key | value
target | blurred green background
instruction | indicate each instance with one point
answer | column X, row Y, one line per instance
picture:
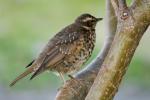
column 27, row 25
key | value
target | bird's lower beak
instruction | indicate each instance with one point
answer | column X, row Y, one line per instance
column 98, row 19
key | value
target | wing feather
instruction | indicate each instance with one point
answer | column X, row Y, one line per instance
column 54, row 54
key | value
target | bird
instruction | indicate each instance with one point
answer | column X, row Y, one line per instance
column 67, row 51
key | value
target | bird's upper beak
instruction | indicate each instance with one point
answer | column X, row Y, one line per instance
column 98, row 19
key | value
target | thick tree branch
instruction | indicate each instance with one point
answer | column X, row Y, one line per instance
column 77, row 90
column 128, row 35
column 140, row 2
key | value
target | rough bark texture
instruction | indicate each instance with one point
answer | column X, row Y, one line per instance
column 131, row 24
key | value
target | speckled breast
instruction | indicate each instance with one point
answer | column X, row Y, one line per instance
column 73, row 62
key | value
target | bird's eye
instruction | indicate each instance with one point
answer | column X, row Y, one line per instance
column 92, row 20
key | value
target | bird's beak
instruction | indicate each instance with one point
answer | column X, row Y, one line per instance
column 98, row 19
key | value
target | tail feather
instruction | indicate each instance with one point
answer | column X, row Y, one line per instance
column 28, row 71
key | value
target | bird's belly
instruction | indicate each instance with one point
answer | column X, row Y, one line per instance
column 73, row 62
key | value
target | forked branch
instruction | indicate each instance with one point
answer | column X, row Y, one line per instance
column 131, row 23
column 128, row 35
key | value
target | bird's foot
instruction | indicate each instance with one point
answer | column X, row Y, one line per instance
column 75, row 79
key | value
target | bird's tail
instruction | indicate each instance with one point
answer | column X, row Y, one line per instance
column 28, row 71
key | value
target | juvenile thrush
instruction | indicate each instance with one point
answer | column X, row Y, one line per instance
column 67, row 51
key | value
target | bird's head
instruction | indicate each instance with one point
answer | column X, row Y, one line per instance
column 87, row 20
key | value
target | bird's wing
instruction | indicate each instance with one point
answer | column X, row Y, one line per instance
column 56, row 51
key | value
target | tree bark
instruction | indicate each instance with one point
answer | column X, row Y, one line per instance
column 132, row 23
column 128, row 24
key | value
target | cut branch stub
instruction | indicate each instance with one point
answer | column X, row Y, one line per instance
column 121, row 9
column 124, row 14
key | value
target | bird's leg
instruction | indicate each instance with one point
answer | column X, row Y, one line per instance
column 70, row 76
column 62, row 77
column 78, row 80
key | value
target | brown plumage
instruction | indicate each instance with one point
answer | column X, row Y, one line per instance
column 67, row 51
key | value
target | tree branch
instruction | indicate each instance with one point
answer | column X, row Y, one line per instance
column 122, row 4
column 115, row 5
column 77, row 90
column 128, row 35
